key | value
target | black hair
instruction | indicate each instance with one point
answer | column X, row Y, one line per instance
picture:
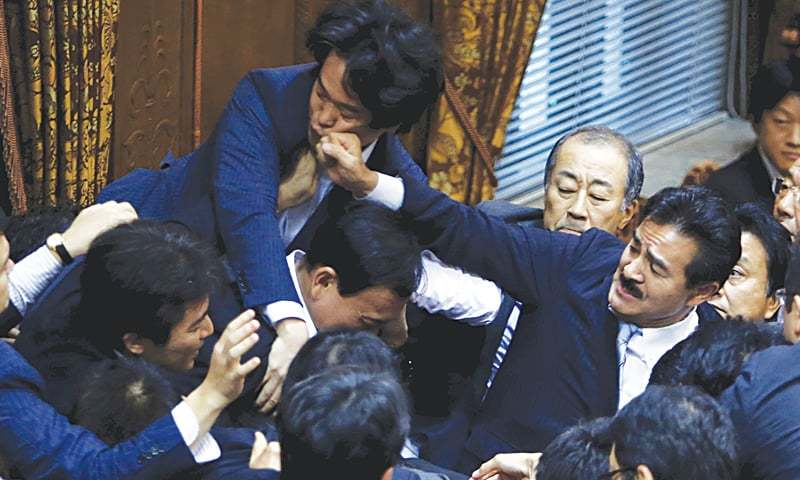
column 771, row 83
column 120, row 397
column 594, row 135
column 677, row 432
column 368, row 246
column 140, row 278
column 712, row 357
column 704, row 216
column 341, row 347
column 29, row 231
column 345, row 422
column 776, row 240
column 792, row 281
column 579, row 453
column 394, row 63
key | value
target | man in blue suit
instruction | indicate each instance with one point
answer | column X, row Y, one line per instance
column 604, row 313
column 256, row 188
column 36, row 442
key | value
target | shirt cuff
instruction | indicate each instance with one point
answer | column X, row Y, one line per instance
column 388, row 192
column 31, row 276
column 204, row 449
column 284, row 309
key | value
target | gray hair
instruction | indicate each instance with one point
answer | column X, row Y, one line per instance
column 595, row 134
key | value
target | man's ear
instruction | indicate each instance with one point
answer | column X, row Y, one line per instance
column 773, row 305
column 322, row 279
column 630, row 212
column 703, row 293
column 133, row 343
column 644, row 473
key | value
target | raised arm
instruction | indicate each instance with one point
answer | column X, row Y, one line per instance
column 524, row 262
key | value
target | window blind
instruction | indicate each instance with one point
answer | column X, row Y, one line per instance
column 645, row 68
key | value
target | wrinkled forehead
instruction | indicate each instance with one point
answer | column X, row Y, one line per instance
column 595, row 161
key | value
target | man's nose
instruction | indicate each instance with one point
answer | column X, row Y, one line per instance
column 633, row 271
column 578, row 209
column 395, row 333
column 326, row 116
column 207, row 327
column 794, row 136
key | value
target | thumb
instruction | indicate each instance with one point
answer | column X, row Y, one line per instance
column 333, row 151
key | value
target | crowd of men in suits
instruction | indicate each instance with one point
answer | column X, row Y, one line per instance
column 291, row 300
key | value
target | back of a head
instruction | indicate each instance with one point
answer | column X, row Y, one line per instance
column 121, row 397
column 712, row 357
column 771, row 83
column 338, row 348
column 676, row 432
column 29, row 231
column 702, row 215
column 368, row 246
column 598, row 134
column 342, row 423
column 394, row 63
column 139, row 278
column 776, row 240
column 579, row 453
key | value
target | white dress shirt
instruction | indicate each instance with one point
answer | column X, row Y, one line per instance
column 475, row 302
column 639, row 349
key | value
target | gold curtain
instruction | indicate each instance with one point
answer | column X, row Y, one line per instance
column 63, row 58
column 486, row 47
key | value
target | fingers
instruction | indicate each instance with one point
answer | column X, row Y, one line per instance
column 274, row 399
column 271, row 384
column 245, row 344
column 247, row 367
column 239, row 328
column 486, row 470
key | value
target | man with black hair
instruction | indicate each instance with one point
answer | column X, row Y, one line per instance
column 775, row 110
column 761, row 398
column 120, row 397
column 602, row 314
column 673, row 432
column 344, row 422
column 712, row 357
column 144, row 291
column 752, row 289
column 258, row 186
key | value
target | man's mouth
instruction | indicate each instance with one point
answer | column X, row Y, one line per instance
column 627, row 287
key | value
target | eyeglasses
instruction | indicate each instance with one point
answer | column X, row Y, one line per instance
column 780, row 185
column 613, row 473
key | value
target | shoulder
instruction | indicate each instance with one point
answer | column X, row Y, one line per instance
column 736, row 170
column 15, row 372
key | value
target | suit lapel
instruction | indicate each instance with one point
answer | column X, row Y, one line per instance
column 762, row 183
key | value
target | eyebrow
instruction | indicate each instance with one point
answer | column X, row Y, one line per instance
column 345, row 106
column 652, row 258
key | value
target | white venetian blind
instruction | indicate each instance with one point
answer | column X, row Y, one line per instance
column 645, row 68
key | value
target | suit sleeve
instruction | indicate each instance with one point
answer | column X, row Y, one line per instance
column 41, row 443
column 526, row 263
column 246, row 191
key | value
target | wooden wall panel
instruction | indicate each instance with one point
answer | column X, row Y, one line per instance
column 153, row 85
column 239, row 35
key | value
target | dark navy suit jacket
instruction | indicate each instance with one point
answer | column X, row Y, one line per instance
column 763, row 406
column 227, row 189
column 744, row 180
column 562, row 364
column 39, row 443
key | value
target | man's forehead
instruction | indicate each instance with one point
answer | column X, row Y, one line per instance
column 600, row 161
column 666, row 241
column 379, row 302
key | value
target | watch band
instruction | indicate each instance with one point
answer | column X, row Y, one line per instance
column 63, row 254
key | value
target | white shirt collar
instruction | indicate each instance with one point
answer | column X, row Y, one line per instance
column 366, row 152
column 292, row 259
column 655, row 342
